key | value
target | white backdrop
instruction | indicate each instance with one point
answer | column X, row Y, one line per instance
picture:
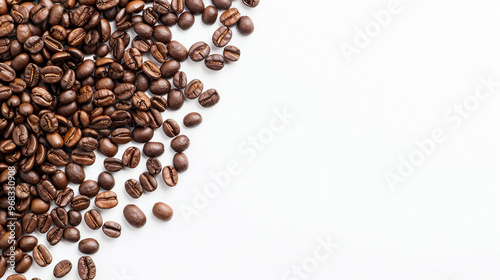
column 328, row 100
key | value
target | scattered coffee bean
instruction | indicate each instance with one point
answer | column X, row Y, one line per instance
column 134, row 216
column 192, row 119
column 62, row 268
column 88, row 246
column 112, row 229
column 162, row 211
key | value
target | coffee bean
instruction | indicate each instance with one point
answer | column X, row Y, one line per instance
column 133, row 188
column 245, row 25
column 133, row 59
column 153, row 166
column 177, row 51
column 180, row 143
column 112, row 229
column 215, row 62
column 170, row 176
column 75, row 173
column 134, row 216
column 162, row 211
column 89, row 188
column 181, row 162
column 199, row 51
column 74, row 218
column 64, row 197
column 54, row 235
column 134, row 6
column 162, row 34
column 106, row 200
column 142, row 134
column 171, row 128
column 86, row 268
column 209, row 15
column 195, row 6
column 42, row 255
column 27, row 243
column 175, row 99
column 151, row 70
column 232, row 53
column 44, row 222
column 186, row 20
column 251, row 3
column 113, row 164
column 230, row 17
column 80, row 202
column 160, row 86
column 177, row 6
column 193, row 89
column 153, row 149
column 88, row 246
column 159, row 52
column 131, row 157
column 222, row 4
column 222, row 36
column 169, row 68
column 16, row 277
column 108, row 148
column 59, row 217
column 24, row 264
column 93, row 219
column 71, row 234
column 148, row 182
column 192, row 119
column 143, row 30
column 62, row 268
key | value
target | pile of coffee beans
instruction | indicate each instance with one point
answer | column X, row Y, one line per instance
column 59, row 107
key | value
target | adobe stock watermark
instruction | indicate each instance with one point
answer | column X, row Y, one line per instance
column 363, row 36
column 248, row 151
column 453, row 119
column 323, row 251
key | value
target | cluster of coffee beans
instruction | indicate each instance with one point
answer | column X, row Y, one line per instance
column 58, row 108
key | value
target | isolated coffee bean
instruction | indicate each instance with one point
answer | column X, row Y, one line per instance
column 192, row 119
column 230, row 17
column 112, row 229
column 74, row 218
column 134, row 216
column 80, row 202
column 181, row 162
column 153, row 165
column 113, row 164
column 153, row 149
column 62, row 268
column 186, row 21
column 222, row 4
column 245, row 25
column 175, row 99
column 59, row 217
column 148, row 182
column 177, row 51
column 222, row 36
column 162, row 211
column 170, row 176
column 232, row 53
column 193, row 89
column 209, row 15
column 23, row 264
column 86, row 268
column 107, row 147
column 215, row 62
column 89, row 188
column 106, row 200
column 54, row 235
column 171, row 128
column 93, row 219
column 88, row 246
column 180, row 143
column 200, row 50
column 75, row 173
column 71, row 234
column 133, row 188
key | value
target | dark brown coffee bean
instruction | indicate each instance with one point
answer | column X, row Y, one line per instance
column 142, row 134
column 153, row 149
column 54, row 235
column 112, row 229
column 88, row 246
column 162, row 34
column 232, row 53
column 171, row 128
column 42, row 255
column 7, row 74
column 44, row 222
column 133, row 59
column 192, row 119
column 131, row 157
column 180, row 80
column 181, row 162
column 160, row 86
column 170, row 19
column 133, row 188
column 159, row 52
column 62, row 268
column 150, row 16
column 82, row 157
column 71, row 234
column 103, row 5
column 230, row 17
column 215, row 62
column 148, row 182
column 199, row 51
column 245, row 25
column 64, row 197
column 74, row 218
column 175, row 99
column 169, row 68
column 141, row 101
column 163, row 211
column 106, row 200
column 134, row 216
column 186, row 20
column 222, row 36
column 107, row 147
column 177, row 51
column 177, row 6
column 193, row 89
column 106, row 180
column 143, row 30
column 93, row 219
column 134, row 6
column 222, row 4
column 80, row 202
column 170, row 176
column 30, row 222
column 75, row 173
column 23, row 264
column 180, row 143
column 46, row 191
column 86, row 268
column 88, row 144
column 161, row 6
column 34, row 44
column 59, row 217
column 153, row 166
column 209, row 15
column 151, row 70
column 27, row 243
column 113, row 164
column 251, row 3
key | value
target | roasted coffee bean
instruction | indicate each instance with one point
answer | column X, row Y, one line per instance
column 159, row 103
column 88, row 246
column 209, row 98
column 131, row 157
column 133, row 188
column 170, row 176
column 199, row 51
column 93, row 219
column 133, row 59
column 159, row 52
column 186, row 21
column 107, row 147
column 134, row 216
column 27, row 243
column 23, row 264
column 162, row 34
column 64, row 197
column 30, row 222
column 86, row 268
column 180, row 143
column 181, row 162
column 106, row 200
column 42, row 255
column 169, row 68
column 44, row 222
column 80, row 202
column 177, row 6
column 142, row 134
column 141, row 101
column 88, row 144
column 180, row 80
column 16, row 277
column 151, row 70
column 54, row 235
column 160, row 86
column 112, row 229
column 143, row 30
column 230, row 17
column 193, row 89
column 251, row 3
column 232, row 53
column 210, row 15
column 148, row 182
column 106, row 181
column 59, row 217
column 71, row 234
column 222, row 36
column 175, row 99
column 34, row 44
column 7, row 74
column 134, row 6
column 74, row 218
column 161, row 6
column 46, row 191
column 39, row 206
column 215, row 62
column 222, row 4
column 245, row 25
column 171, row 128
column 162, row 211
column 82, row 157
column 192, row 119
column 89, row 188
column 150, row 16
column 153, row 149
column 177, row 51
column 62, row 268
column 106, row 4
column 153, row 165
column 113, row 164
column 75, row 173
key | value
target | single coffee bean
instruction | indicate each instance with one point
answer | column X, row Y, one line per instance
column 151, row 70
column 181, row 162
column 161, row 6
column 134, row 6
column 222, row 4
column 209, row 15
column 195, row 6
column 180, row 80
column 148, row 182
column 192, row 119
column 27, row 243
column 177, row 51
column 175, row 99
column 186, row 21
column 42, row 255
column 89, row 188
column 30, row 222
column 142, row 134
column 215, row 62
column 171, row 128
column 169, row 68
column 64, row 197
column 51, row 74
column 159, row 52
column 193, row 89
column 133, row 188
column 74, row 218
column 251, row 3
column 71, row 234
column 112, row 229
column 59, row 217
column 177, row 6
column 82, row 157
column 88, row 246
column 75, row 173
column 199, row 51
column 54, row 235
column 133, row 59
column 232, row 53
column 131, row 157
column 134, row 216
column 143, row 30
column 86, row 268
column 80, row 202
column 23, row 264
column 162, row 34
column 160, row 86
column 106, row 200
column 106, row 180
column 245, row 25
column 153, row 166
column 113, row 164
column 93, row 219
column 162, row 211
column 62, row 268
column 180, row 143
column 44, row 222
column 230, row 17
column 107, row 147
column 170, row 176
column 159, row 103
column 153, row 149
column 222, row 36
